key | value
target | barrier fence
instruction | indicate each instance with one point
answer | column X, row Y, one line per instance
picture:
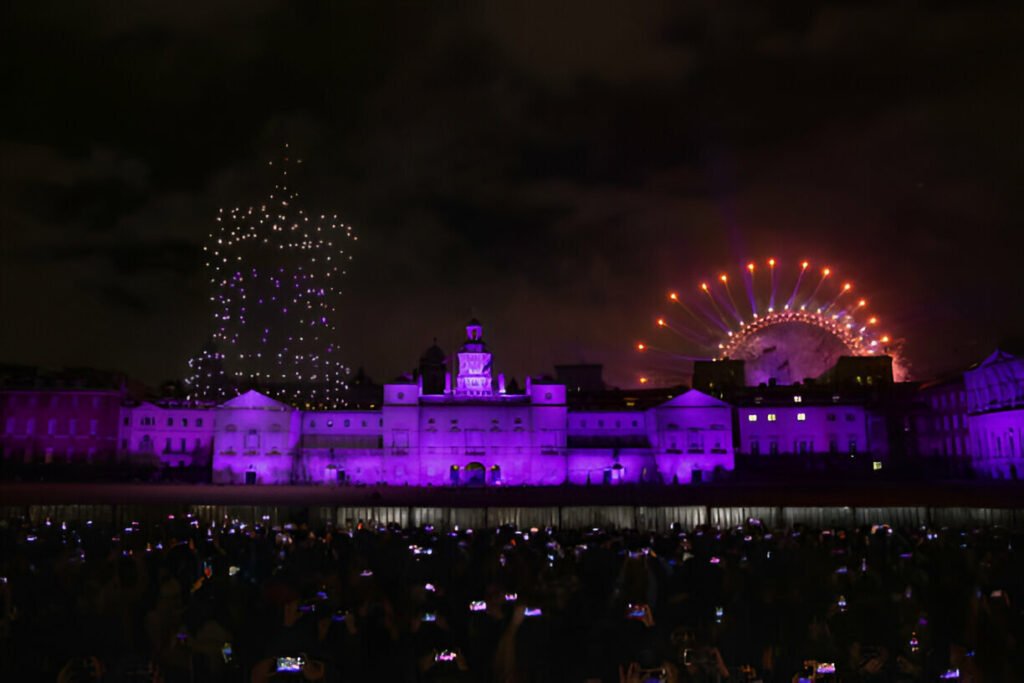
column 653, row 518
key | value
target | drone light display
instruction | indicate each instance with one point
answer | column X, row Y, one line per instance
column 275, row 273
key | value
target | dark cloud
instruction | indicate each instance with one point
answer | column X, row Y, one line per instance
column 550, row 168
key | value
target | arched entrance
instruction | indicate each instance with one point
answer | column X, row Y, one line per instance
column 475, row 474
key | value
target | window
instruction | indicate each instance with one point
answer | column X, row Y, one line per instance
column 798, row 399
column 312, row 423
column 755, row 447
column 364, row 423
column 199, row 422
column 831, row 417
column 51, row 426
column 771, row 417
column 833, row 445
column 801, row 417
column 773, row 447
column 184, row 422
column 183, row 447
column 127, row 421
column 330, row 423
column 72, row 426
column 170, row 422
column 752, row 418
column 850, row 417
column 347, row 423
column 635, row 423
column 853, row 446
column 167, row 445
column 30, row 426
column 10, row 425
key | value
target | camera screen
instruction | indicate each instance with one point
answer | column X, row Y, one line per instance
column 532, row 612
column 290, row 664
column 444, row 656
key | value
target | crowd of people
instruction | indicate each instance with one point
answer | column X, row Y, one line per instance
column 186, row 600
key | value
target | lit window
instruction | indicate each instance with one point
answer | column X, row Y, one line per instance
column 771, row 417
column 801, row 417
column 876, row 465
column 751, row 418
column 798, row 399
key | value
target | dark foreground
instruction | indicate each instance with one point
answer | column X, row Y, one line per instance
column 175, row 596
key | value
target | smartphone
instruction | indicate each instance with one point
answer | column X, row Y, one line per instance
column 532, row 612
column 429, row 617
column 290, row 665
column 719, row 613
column 477, row 606
column 636, row 612
column 950, row 675
column 225, row 652
column 338, row 616
column 308, row 606
column 825, row 668
column 653, row 675
column 687, row 656
column 511, row 597
column 232, row 570
column 445, row 656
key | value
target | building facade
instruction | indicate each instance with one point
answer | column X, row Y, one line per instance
column 49, row 425
column 442, row 428
column 455, row 421
column 995, row 415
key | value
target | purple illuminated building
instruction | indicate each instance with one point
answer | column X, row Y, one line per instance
column 444, row 428
column 456, row 421
column 995, row 415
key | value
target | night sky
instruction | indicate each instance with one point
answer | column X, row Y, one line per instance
column 553, row 171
